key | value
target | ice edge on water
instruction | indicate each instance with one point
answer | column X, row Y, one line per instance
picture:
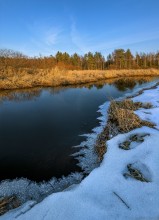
column 87, row 158
column 26, row 189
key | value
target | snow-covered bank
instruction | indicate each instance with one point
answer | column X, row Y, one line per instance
column 106, row 193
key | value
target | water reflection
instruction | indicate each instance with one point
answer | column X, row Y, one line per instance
column 122, row 84
column 20, row 95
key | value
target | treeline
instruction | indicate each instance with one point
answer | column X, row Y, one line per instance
column 119, row 59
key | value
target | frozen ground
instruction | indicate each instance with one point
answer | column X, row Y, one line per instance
column 107, row 193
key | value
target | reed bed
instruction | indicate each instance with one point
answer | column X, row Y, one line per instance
column 12, row 78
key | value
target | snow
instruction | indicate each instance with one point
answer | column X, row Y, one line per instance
column 106, row 193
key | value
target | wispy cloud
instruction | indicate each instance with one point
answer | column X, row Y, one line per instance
column 77, row 39
column 51, row 35
column 44, row 37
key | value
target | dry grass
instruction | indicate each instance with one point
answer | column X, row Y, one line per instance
column 135, row 173
column 125, row 104
column 12, row 78
column 121, row 119
column 128, row 104
column 122, row 114
column 126, row 120
column 101, row 148
column 8, row 203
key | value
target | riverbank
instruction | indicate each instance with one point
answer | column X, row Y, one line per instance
column 125, row 186
column 11, row 78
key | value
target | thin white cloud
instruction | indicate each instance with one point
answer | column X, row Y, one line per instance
column 51, row 36
column 44, row 38
column 77, row 39
column 51, row 39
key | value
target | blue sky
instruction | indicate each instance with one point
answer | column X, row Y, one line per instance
column 45, row 26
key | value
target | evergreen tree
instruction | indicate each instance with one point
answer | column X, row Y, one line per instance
column 128, row 59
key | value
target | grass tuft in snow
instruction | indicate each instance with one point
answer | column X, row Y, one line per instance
column 7, row 203
column 100, row 146
column 121, row 113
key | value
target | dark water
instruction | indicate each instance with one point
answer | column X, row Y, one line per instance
column 38, row 127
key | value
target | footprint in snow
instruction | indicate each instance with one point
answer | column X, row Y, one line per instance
column 138, row 171
column 133, row 141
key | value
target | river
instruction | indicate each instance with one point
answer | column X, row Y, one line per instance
column 39, row 126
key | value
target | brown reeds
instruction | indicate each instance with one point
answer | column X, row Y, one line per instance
column 8, row 203
column 13, row 78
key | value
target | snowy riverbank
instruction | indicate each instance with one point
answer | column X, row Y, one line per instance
column 107, row 193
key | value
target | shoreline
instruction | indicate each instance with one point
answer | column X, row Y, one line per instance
column 22, row 78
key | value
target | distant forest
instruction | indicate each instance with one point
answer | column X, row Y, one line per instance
column 119, row 59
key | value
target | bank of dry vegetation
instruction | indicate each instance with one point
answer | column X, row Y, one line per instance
column 13, row 78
